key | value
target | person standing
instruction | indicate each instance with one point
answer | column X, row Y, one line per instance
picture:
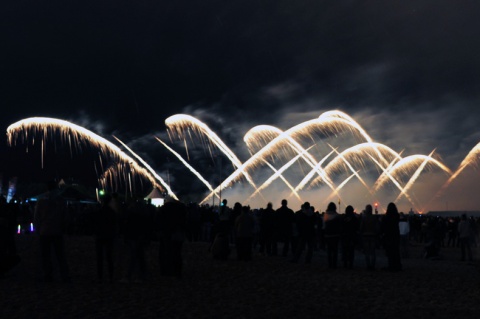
column 391, row 237
column 285, row 218
column 49, row 221
column 267, row 229
column 105, row 232
column 404, row 227
column 136, row 241
column 8, row 251
column 244, row 234
column 465, row 234
column 349, row 237
column 332, row 226
column 224, row 217
column 172, row 227
column 305, row 221
column 369, row 230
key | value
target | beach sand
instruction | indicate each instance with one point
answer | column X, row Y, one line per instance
column 266, row 287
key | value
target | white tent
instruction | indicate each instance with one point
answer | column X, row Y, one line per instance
column 156, row 197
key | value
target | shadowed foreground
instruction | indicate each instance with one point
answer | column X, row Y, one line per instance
column 267, row 287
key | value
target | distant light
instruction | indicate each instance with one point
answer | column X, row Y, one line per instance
column 31, row 227
column 158, row 201
column 19, row 229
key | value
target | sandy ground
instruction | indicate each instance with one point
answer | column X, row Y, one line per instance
column 266, row 287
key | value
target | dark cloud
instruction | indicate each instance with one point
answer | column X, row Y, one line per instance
column 408, row 72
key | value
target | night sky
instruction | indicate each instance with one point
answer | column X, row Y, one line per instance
column 407, row 71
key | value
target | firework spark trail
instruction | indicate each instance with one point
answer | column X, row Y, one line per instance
column 328, row 121
column 150, row 169
column 69, row 132
column 258, row 157
column 355, row 152
column 309, row 176
column 386, row 171
column 181, row 121
column 407, row 164
column 425, row 160
column 269, row 133
column 337, row 190
column 306, row 128
column 341, row 156
column 116, row 172
column 129, row 183
column 415, row 175
column 259, row 136
column 263, row 142
column 278, row 174
column 386, row 174
column 404, row 166
column 265, row 133
column 186, row 148
column 353, row 124
column 109, row 175
column 335, row 118
column 335, row 114
column 285, row 181
column 196, row 173
column 472, row 158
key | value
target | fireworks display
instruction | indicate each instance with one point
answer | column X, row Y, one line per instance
column 74, row 136
column 321, row 156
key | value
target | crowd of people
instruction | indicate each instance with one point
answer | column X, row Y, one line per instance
column 130, row 225
column 303, row 232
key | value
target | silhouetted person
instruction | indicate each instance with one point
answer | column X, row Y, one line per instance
column 120, row 245
column 8, row 250
column 172, row 235
column 332, row 226
column 244, row 234
column 220, row 247
column 369, row 231
column 12, row 213
column 136, row 240
column 224, row 213
column 305, row 220
column 391, row 237
column 267, row 229
column 234, row 213
column 225, row 221
column 349, row 236
column 193, row 222
column 285, row 217
column 404, row 227
column 452, row 232
column 465, row 234
column 105, row 230
column 49, row 223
